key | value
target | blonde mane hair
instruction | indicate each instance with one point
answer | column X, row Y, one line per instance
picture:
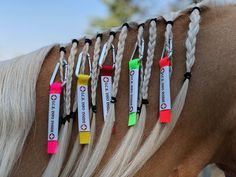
column 18, row 78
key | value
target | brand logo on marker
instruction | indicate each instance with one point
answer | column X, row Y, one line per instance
column 162, row 70
column 131, row 109
column 82, row 89
column 106, row 79
column 53, row 97
column 132, row 72
column 51, row 136
column 83, row 127
column 163, row 106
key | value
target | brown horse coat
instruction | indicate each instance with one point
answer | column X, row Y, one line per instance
column 206, row 130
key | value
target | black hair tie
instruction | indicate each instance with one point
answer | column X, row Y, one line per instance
column 75, row 41
column 112, row 33
column 94, row 109
column 113, row 100
column 99, row 35
column 141, row 25
column 68, row 117
column 187, row 75
column 65, row 119
column 153, row 19
column 72, row 115
column 61, row 120
column 145, row 101
column 170, row 23
column 89, row 41
column 138, row 110
column 126, row 24
column 63, row 49
column 196, row 8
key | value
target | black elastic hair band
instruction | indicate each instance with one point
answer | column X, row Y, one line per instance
column 62, row 121
column 153, row 19
column 112, row 33
column 94, row 109
column 145, row 101
column 75, row 41
column 138, row 110
column 99, row 35
column 187, row 75
column 113, row 100
column 170, row 23
column 72, row 114
column 196, row 8
column 65, row 119
column 68, row 117
column 141, row 25
column 89, row 41
column 126, row 24
column 63, row 49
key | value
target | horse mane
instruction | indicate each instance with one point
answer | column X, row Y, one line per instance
column 18, row 78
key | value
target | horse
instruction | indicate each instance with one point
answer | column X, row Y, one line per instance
column 204, row 134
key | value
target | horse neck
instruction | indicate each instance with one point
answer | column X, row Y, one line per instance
column 210, row 26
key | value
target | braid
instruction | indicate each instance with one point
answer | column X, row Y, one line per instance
column 160, row 133
column 138, row 130
column 61, row 60
column 150, row 52
column 125, row 151
column 84, row 52
column 140, row 47
column 71, row 62
column 56, row 161
column 76, row 147
column 192, row 38
column 105, row 135
column 119, row 57
column 82, row 161
column 95, row 71
column 140, row 40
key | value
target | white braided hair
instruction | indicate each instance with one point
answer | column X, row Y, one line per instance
column 84, row 157
column 95, row 73
column 139, row 128
column 158, row 135
column 169, row 37
column 95, row 70
column 55, row 164
column 105, row 135
column 61, row 60
column 85, row 53
column 71, row 163
column 140, row 41
column 118, row 157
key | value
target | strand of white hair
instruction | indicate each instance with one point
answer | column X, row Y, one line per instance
column 55, row 164
column 158, row 134
column 18, row 78
column 83, row 159
column 105, row 135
